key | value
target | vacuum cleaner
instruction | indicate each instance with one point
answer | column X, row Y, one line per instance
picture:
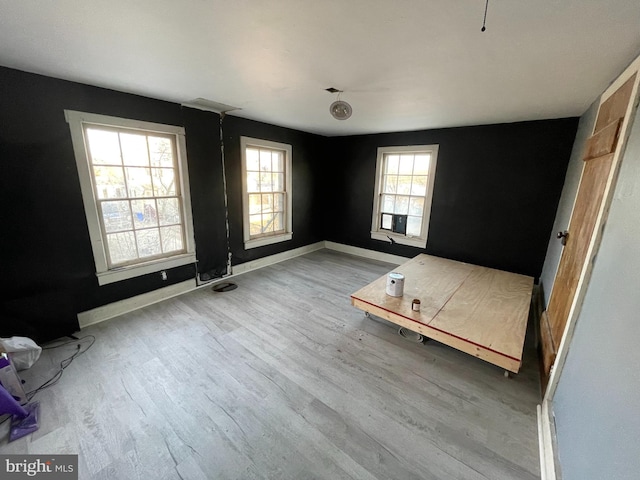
column 24, row 419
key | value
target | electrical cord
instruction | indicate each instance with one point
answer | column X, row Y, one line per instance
column 63, row 364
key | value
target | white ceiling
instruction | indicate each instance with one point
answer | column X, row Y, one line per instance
column 403, row 64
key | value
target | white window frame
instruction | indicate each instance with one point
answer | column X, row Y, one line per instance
column 379, row 234
column 288, row 184
column 106, row 275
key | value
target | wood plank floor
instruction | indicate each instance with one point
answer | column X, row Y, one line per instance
column 281, row 379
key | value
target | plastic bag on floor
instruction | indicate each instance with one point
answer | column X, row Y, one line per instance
column 23, row 351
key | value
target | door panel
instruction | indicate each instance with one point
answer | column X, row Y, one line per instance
column 583, row 220
column 596, row 174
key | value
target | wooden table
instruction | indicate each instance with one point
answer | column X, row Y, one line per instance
column 478, row 310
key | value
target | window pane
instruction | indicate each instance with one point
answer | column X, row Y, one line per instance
column 390, row 184
column 253, row 159
column 416, row 206
column 392, row 164
column 402, row 205
column 278, row 161
column 253, row 182
column 278, row 202
column 144, row 213
column 388, row 202
column 169, row 211
column 266, row 182
column 104, row 147
column 421, row 165
column 414, row 224
column 387, row 221
column 139, row 182
column 278, row 182
column 419, row 186
column 406, row 164
column 255, row 204
column 134, row 149
column 122, row 247
column 116, row 216
column 109, row 182
column 255, row 224
column 164, row 181
column 404, row 185
column 267, row 203
column 171, row 238
column 278, row 222
column 148, row 242
column 265, row 160
column 161, row 152
column 267, row 223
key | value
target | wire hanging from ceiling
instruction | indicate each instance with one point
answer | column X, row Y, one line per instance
column 484, row 21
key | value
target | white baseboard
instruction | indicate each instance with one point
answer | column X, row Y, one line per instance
column 363, row 252
column 105, row 312
column 272, row 259
column 546, row 435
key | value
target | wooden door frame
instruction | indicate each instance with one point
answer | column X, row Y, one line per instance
column 546, row 426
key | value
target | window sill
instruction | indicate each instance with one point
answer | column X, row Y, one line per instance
column 124, row 273
column 261, row 242
column 401, row 239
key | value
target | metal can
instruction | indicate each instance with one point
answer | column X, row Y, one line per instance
column 395, row 284
column 415, row 305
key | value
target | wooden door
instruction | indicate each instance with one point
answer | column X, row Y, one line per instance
column 596, row 174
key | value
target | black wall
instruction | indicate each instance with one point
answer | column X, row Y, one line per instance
column 202, row 131
column 497, row 189
column 45, row 253
column 307, row 171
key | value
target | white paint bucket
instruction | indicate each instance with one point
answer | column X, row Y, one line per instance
column 395, row 284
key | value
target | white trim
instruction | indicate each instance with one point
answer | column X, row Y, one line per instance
column 119, row 274
column 288, row 186
column 106, row 312
column 272, row 259
column 262, row 241
column 546, row 435
column 376, row 232
column 633, row 67
column 384, row 236
column 363, row 252
column 97, row 119
column 592, row 251
column 105, row 275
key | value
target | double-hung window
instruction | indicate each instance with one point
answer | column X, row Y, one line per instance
column 135, row 188
column 403, row 190
column 266, row 186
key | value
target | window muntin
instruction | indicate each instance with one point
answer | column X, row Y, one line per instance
column 134, row 182
column 266, row 191
column 404, row 186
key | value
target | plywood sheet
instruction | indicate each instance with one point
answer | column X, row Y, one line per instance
column 488, row 310
column 615, row 106
column 433, row 280
column 603, row 142
column 477, row 310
